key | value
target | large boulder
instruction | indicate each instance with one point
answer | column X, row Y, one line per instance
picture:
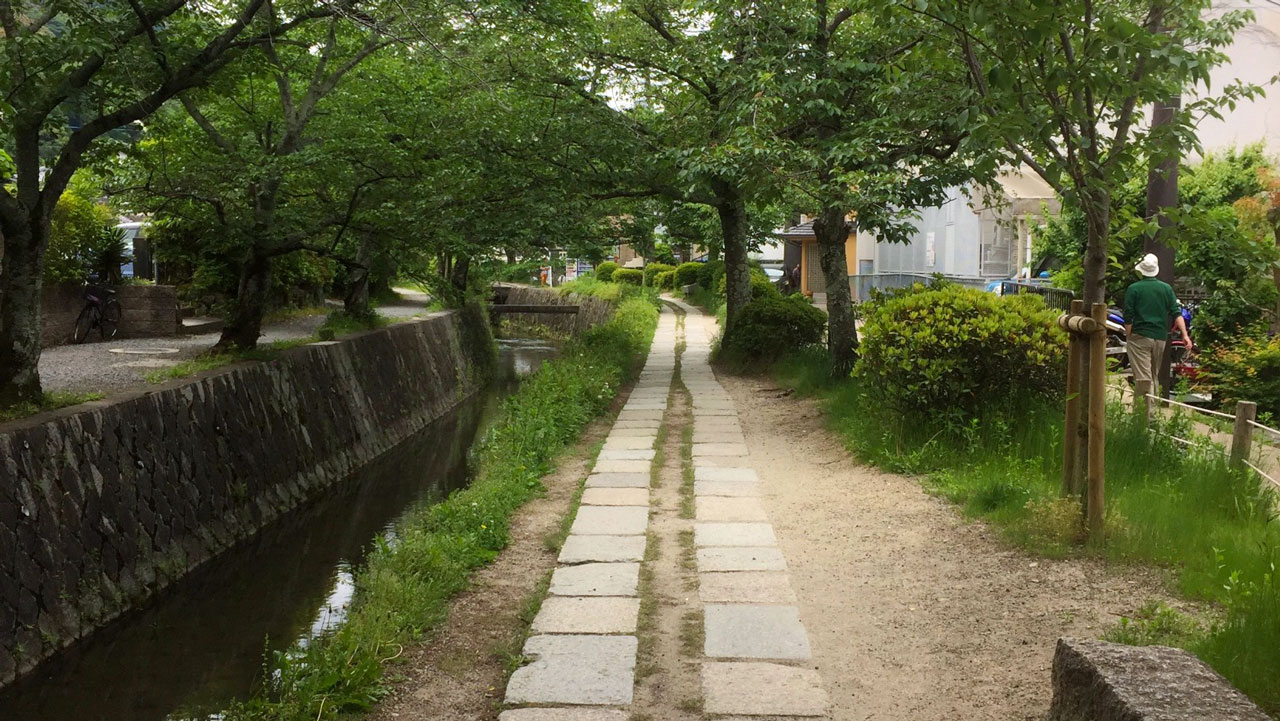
column 1100, row 681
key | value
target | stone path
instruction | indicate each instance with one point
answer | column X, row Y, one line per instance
column 756, row 660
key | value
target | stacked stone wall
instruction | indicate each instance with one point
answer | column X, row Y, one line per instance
column 147, row 311
column 591, row 311
column 105, row 504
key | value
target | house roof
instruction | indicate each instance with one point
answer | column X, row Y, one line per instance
column 798, row 232
column 1020, row 183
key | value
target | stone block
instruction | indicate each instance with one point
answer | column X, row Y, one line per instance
column 564, row 714
column 596, row 579
column 720, row 449
column 619, row 433
column 610, row 521
column 734, row 534
column 729, row 475
column 615, row 466
column 754, row 631
column 587, row 614
column 727, row 436
column 618, row 480
column 761, row 689
column 581, row 670
column 719, row 508
column 615, row 497
column 630, row 443
column 636, row 454
column 1101, row 681
column 746, row 587
column 726, row 488
column 602, row 549
column 740, row 559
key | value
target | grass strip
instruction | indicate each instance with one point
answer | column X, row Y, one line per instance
column 50, row 401
column 403, row 590
column 1212, row 529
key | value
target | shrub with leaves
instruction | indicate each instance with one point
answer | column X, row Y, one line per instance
column 1247, row 371
column 605, row 270
column 770, row 325
column 958, row 349
column 628, row 275
column 687, row 273
column 652, row 270
column 710, row 273
column 665, row 280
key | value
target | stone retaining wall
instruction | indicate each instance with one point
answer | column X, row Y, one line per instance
column 148, row 311
column 105, row 504
column 591, row 311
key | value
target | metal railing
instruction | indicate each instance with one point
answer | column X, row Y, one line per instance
column 1059, row 298
column 862, row 284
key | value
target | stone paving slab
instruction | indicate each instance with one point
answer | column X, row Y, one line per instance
column 584, row 670
column 711, row 403
column 740, row 559
column 563, row 714
column 618, row 480
column 749, row 535
column 737, row 489
column 725, row 436
column 746, row 587
column 619, row 454
column 719, row 508
column 595, row 579
column 761, row 689
column 754, row 631
column 620, row 443
column 720, row 449
column 615, row 497
column 602, row 549
column 630, row 415
column 650, row 426
column 618, row 433
column 634, row 405
column 587, row 614
column 722, row 462
column 726, row 474
column 616, row 466
column 610, row 521
column 713, row 412
column 717, row 424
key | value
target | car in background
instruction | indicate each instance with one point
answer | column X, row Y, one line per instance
column 142, row 265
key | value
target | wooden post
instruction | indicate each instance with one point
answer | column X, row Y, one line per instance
column 1242, row 437
column 1071, row 431
column 1097, row 423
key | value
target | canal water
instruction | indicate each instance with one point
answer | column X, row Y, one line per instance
column 203, row 642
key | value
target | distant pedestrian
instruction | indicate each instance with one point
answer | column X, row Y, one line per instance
column 1149, row 308
column 795, row 278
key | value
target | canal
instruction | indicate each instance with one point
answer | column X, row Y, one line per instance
column 202, row 643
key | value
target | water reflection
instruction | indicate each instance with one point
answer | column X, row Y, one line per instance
column 203, row 642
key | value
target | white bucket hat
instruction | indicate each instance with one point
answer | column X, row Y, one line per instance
column 1150, row 266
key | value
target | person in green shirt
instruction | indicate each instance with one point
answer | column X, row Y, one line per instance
column 1149, row 307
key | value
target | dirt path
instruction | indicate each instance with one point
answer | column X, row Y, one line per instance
column 914, row 613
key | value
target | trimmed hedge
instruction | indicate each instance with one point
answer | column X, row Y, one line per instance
column 770, row 325
column 1247, row 371
column 665, row 280
column 960, row 349
column 605, row 270
column 652, row 270
column 687, row 273
column 628, row 275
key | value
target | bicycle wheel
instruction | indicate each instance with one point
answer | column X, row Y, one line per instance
column 109, row 322
column 84, row 323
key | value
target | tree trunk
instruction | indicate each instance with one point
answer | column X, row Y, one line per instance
column 1275, row 278
column 459, row 274
column 242, row 332
column 733, row 230
column 832, row 228
column 1097, row 211
column 356, row 300
column 20, row 284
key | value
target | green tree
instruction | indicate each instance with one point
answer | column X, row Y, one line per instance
column 70, row 75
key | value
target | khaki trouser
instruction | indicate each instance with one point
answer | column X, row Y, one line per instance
column 1145, row 355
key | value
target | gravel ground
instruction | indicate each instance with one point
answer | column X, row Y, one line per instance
column 94, row 366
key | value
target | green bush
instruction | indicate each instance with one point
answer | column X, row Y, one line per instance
column 605, row 270
column 665, row 280
column 957, row 349
column 687, row 273
column 628, row 275
column 770, row 324
column 761, row 287
column 710, row 273
column 1247, row 371
column 78, row 226
column 652, row 270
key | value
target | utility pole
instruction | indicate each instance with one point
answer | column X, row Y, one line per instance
column 1162, row 193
